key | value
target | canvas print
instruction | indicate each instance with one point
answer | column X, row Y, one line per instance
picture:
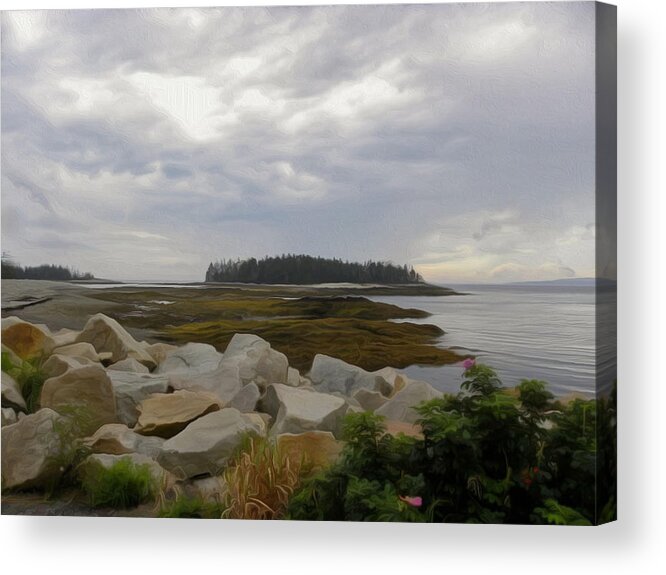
column 336, row 263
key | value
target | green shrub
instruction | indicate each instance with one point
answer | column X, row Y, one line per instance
column 488, row 455
column 120, row 486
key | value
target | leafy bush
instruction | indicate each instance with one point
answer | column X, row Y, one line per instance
column 120, row 486
column 488, row 455
column 260, row 481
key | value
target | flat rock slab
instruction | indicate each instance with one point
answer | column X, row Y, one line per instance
column 118, row 439
column 166, row 414
column 205, row 445
column 78, row 350
column 130, row 389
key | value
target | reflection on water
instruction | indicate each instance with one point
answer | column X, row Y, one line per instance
column 524, row 332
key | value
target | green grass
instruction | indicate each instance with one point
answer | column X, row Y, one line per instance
column 120, row 486
column 184, row 507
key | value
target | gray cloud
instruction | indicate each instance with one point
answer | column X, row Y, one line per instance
column 456, row 137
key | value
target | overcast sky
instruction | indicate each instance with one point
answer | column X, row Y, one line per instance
column 457, row 138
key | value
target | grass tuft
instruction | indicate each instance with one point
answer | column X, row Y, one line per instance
column 120, row 486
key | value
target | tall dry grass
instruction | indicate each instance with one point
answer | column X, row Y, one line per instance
column 260, row 481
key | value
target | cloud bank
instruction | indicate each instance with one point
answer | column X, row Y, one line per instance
column 142, row 144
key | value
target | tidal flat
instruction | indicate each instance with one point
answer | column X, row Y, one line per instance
column 299, row 321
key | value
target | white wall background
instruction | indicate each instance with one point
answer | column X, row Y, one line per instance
column 633, row 544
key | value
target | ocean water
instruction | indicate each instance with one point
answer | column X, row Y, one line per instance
column 523, row 332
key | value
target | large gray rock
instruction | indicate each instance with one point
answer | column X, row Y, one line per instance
column 329, row 374
column 107, row 335
column 166, row 414
column 256, row 360
column 11, row 393
column 369, row 400
column 297, row 410
column 206, row 444
column 87, row 389
column 118, row 439
column 158, row 351
column 58, row 364
column 190, row 359
column 130, row 389
column 64, row 337
column 30, row 450
column 246, row 399
column 224, row 382
column 401, row 406
column 129, row 364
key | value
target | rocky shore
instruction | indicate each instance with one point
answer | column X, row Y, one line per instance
column 181, row 410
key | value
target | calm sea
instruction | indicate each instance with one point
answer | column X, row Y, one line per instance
column 523, row 332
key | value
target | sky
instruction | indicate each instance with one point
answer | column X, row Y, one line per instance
column 144, row 144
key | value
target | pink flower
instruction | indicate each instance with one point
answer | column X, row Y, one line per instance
column 469, row 363
column 413, row 501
